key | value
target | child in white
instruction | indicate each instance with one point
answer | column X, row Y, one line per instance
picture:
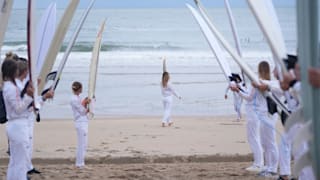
column 17, row 115
column 237, row 102
column 167, row 92
column 81, row 122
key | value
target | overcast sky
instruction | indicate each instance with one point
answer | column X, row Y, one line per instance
column 148, row 3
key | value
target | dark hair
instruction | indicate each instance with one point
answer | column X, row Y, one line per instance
column 76, row 86
column 291, row 61
column 9, row 70
column 264, row 70
column 165, row 79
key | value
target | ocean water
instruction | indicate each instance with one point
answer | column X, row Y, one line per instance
column 130, row 66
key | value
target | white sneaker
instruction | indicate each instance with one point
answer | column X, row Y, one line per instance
column 254, row 168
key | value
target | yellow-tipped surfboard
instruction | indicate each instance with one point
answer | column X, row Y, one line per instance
column 94, row 69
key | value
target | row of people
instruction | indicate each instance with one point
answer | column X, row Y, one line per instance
column 18, row 98
column 262, row 118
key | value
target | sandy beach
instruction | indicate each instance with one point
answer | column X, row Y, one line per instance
column 139, row 148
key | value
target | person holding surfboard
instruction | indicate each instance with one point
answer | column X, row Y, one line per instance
column 80, row 111
column 292, row 80
column 167, row 93
column 22, row 83
column 269, row 120
column 237, row 99
column 261, row 135
column 17, row 114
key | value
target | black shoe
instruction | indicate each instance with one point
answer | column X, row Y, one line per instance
column 34, row 171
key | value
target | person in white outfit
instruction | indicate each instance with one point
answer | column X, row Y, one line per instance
column 80, row 110
column 21, row 82
column 252, row 97
column 268, row 119
column 260, row 129
column 237, row 99
column 167, row 93
column 17, row 115
column 293, row 81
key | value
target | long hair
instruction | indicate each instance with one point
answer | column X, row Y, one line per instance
column 9, row 70
column 165, row 79
column 76, row 86
column 264, row 70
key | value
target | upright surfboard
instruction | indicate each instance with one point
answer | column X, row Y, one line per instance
column 213, row 43
column 57, row 42
column 32, row 51
column 5, row 11
column 267, row 19
column 70, row 45
column 234, row 32
column 244, row 66
column 94, row 68
column 45, row 32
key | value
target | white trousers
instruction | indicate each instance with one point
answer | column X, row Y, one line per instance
column 285, row 155
column 82, row 142
column 17, row 132
column 237, row 101
column 167, row 104
column 285, row 151
column 31, row 120
column 268, row 139
column 253, row 135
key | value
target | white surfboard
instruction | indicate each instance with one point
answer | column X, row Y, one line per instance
column 5, row 11
column 70, row 45
column 32, row 51
column 267, row 19
column 213, row 43
column 45, row 32
column 234, row 32
column 57, row 41
column 94, row 68
column 233, row 28
column 244, row 66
